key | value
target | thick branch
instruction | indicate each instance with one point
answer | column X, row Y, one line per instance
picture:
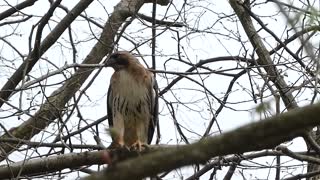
column 267, row 134
column 32, row 167
column 51, row 164
column 18, row 7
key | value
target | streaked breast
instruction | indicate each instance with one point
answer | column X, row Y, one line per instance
column 130, row 95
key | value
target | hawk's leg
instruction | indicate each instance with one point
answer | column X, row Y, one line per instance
column 139, row 143
column 117, row 132
column 138, row 146
column 117, row 143
column 117, row 140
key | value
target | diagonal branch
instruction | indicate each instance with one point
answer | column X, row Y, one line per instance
column 37, row 52
column 263, row 54
column 16, row 8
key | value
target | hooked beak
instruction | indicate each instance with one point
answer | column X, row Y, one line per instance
column 110, row 62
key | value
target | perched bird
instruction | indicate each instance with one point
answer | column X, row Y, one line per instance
column 132, row 102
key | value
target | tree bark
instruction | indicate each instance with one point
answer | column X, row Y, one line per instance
column 267, row 134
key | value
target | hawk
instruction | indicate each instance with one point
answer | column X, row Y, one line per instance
column 132, row 101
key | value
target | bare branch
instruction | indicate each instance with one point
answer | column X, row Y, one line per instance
column 17, row 8
column 55, row 104
column 51, row 164
column 27, row 65
column 264, row 57
column 18, row 75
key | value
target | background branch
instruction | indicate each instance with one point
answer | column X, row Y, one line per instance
column 16, row 8
column 55, row 104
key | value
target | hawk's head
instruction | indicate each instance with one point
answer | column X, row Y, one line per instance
column 120, row 60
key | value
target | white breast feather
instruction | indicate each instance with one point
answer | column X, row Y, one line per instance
column 132, row 89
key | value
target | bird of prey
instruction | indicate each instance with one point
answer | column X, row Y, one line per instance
column 132, row 102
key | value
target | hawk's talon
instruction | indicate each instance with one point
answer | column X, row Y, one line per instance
column 126, row 148
column 145, row 146
column 138, row 146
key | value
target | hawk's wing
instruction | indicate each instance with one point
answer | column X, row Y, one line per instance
column 109, row 107
column 154, row 108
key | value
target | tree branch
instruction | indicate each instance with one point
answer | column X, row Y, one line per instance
column 16, row 8
column 42, row 144
column 160, row 22
column 32, row 167
column 268, row 133
column 51, row 164
column 264, row 57
column 36, row 53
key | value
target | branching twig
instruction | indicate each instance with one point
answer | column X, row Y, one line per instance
column 264, row 57
column 18, row 7
column 15, row 79
column 55, row 104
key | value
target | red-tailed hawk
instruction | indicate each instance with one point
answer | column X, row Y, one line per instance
column 132, row 101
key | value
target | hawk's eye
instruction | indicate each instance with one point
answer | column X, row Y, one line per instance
column 122, row 61
column 115, row 56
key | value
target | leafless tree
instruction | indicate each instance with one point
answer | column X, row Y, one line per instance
column 238, row 88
